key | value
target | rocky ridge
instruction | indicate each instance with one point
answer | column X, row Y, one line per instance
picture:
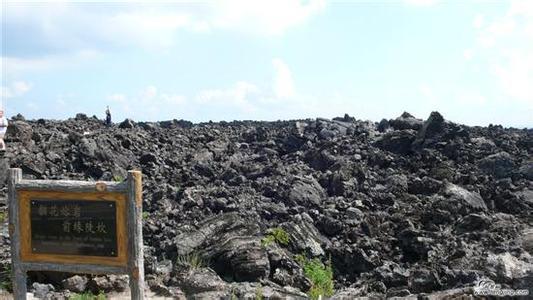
column 402, row 207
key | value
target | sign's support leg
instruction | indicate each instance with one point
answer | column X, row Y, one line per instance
column 19, row 274
column 19, row 284
column 135, row 259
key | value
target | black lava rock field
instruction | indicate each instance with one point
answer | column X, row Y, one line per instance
column 292, row 209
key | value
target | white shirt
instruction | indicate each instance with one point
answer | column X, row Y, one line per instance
column 3, row 125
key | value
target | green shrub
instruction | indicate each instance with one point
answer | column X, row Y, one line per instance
column 88, row 296
column 278, row 235
column 2, row 216
column 191, row 261
column 320, row 275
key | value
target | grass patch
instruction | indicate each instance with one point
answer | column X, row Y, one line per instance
column 233, row 296
column 88, row 296
column 118, row 178
column 145, row 215
column 3, row 215
column 5, row 279
column 320, row 275
column 191, row 261
column 278, row 235
column 259, row 293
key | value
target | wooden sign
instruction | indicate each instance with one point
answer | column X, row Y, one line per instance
column 67, row 227
column 76, row 226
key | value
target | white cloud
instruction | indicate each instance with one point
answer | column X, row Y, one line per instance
column 264, row 17
column 283, row 82
column 149, row 103
column 249, row 97
column 61, row 102
column 427, row 92
column 117, row 97
column 505, row 44
column 149, row 93
column 32, row 106
column 60, row 28
column 468, row 54
column 240, row 95
column 15, row 89
column 435, row 97
column 515, row 73
column 67, row 100
column 496, row 30
column 468, row 97
column 148, row 28
column 21, row 87
column 19, row 65
column 521, row 7
column 243, row 98
column 421, row 2
column 172, row 99
column 479, row 20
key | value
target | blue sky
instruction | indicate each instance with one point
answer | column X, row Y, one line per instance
column 270, row 60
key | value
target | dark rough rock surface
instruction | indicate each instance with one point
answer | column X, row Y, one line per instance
column 402, row 208
column 500, row 165
column 76, row 283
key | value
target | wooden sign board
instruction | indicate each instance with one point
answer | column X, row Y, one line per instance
column 75, row 226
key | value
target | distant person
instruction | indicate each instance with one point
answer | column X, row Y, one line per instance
column 107, row 117
column 3, row 129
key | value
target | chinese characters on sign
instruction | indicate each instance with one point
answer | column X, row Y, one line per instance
column 73, row 227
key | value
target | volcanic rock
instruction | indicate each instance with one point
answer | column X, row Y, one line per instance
column 406, row 121
column 499, row 165
column 403, row 208
column 126, row 124
column 305, row 237
column 109, row 283
column 527, row 170
column 397, row 141
column 76, row 283
column 19, row 131
column 200, row 280
column 473, row 222
column 242, row 258
column 425, row 186
column 433, row 126
column 306, row 192
column 423, row 280
column 41, row 290
column 462, row 201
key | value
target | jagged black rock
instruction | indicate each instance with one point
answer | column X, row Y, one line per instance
column 402, row 207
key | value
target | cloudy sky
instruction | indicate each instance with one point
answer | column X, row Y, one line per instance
column 269, row 60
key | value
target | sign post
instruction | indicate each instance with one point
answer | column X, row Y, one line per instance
column 76, row 227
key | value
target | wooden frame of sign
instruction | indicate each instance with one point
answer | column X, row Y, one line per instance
column 76, row 227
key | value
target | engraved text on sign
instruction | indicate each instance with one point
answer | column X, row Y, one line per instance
column 73, row 227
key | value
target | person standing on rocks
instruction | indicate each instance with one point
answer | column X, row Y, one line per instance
column 107, row 117
column 3, row 129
